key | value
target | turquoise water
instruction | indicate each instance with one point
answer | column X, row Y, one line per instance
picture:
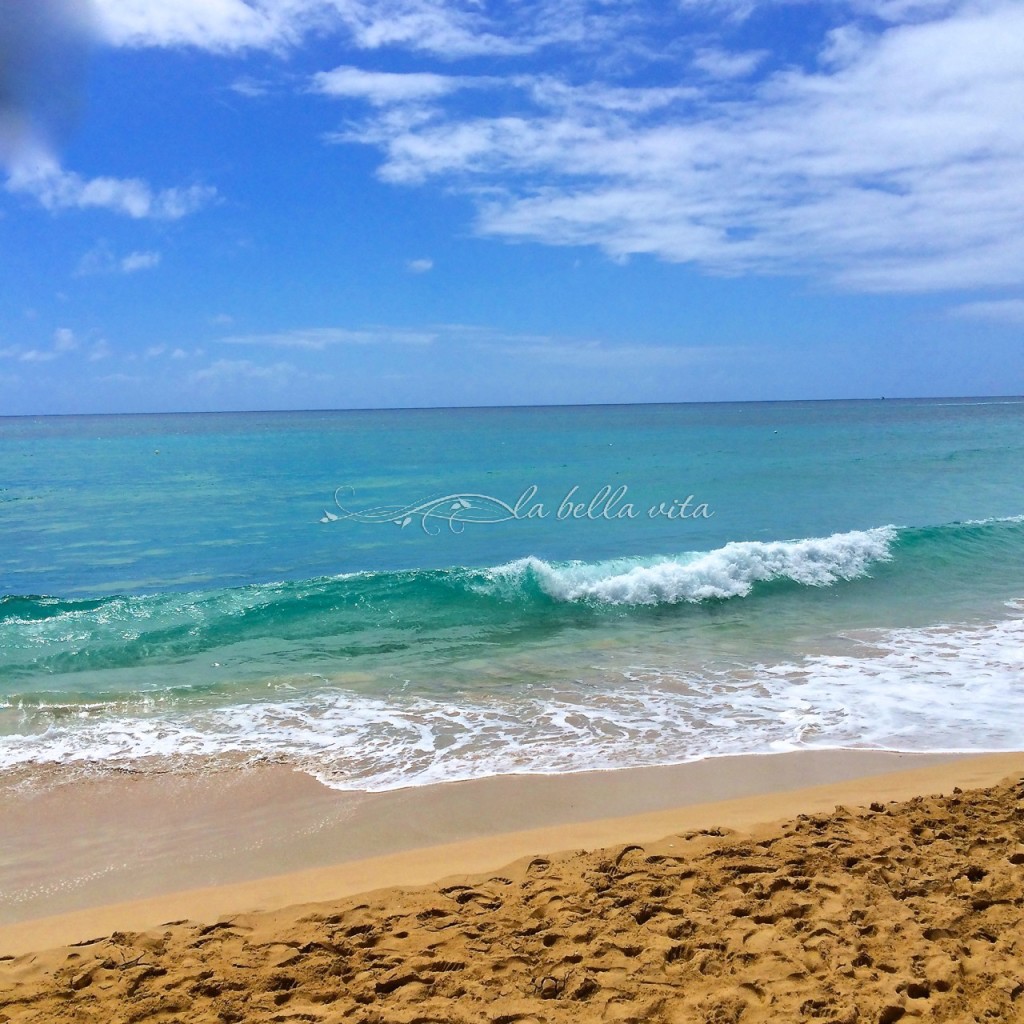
column 396, row 597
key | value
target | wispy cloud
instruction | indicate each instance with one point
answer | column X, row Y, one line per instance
column 887, row 160
column 450, row 28
column 133, row 379
column 446, row 28
column 999, row 311
column 904, row 10
column 223, row 371
column 583, row 353
column 478, row 341
column 234, row 372
column 319, row 338
column 64, row 340
column 35, row 355
column 726, row 64
column 99, row 351
column 56, row 189
column 892, row 165
column 591, row 100
column 251, row 88
column 597, row 355
column 101, row 259
column 382, row 87
column 421, row 266
column 887, row 10
column 135, row 261
column 42, row 47
column 218, row 25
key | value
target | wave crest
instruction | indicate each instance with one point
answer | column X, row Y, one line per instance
column 729, row 571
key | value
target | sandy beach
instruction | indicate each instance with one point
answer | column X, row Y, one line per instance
column 721, row 891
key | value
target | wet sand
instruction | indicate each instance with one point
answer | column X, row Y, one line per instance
column 73, row 843
column 907, row 900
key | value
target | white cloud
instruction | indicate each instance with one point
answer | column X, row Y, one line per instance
column 233, row 372
column 844, row 45
column 120, row 378
column 891, row 164
column 139, row 261
column 251, row 88
column 585, row 353
column 99, row 351
column 1000, row 311
column 597, row 98
column 735, row 10
column 887, row 10
column 724, row 64
column 895, row 166
column 448, row 28
column 532, row 348
column 906, row 10
column 420, row 266
column 56, row 189
column 591, row 355
column 382, row 87
column 319, row 338
column 64, row 340
column 220, row 25
column 100, row 259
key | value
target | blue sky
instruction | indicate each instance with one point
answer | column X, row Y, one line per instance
column 213, row 204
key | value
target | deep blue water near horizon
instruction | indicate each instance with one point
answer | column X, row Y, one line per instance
column 502, row 590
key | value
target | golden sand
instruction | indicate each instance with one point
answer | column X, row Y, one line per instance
column 891, row 910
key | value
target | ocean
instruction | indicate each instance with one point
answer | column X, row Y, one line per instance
column 393, row 598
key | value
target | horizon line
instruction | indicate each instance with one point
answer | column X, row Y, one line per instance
column 524, row 406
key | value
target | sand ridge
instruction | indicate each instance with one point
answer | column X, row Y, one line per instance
column 902, row 910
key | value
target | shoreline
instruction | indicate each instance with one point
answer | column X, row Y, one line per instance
column 267, row 839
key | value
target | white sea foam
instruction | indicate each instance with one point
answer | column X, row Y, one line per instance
column 729, row 571
column 936, row 689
